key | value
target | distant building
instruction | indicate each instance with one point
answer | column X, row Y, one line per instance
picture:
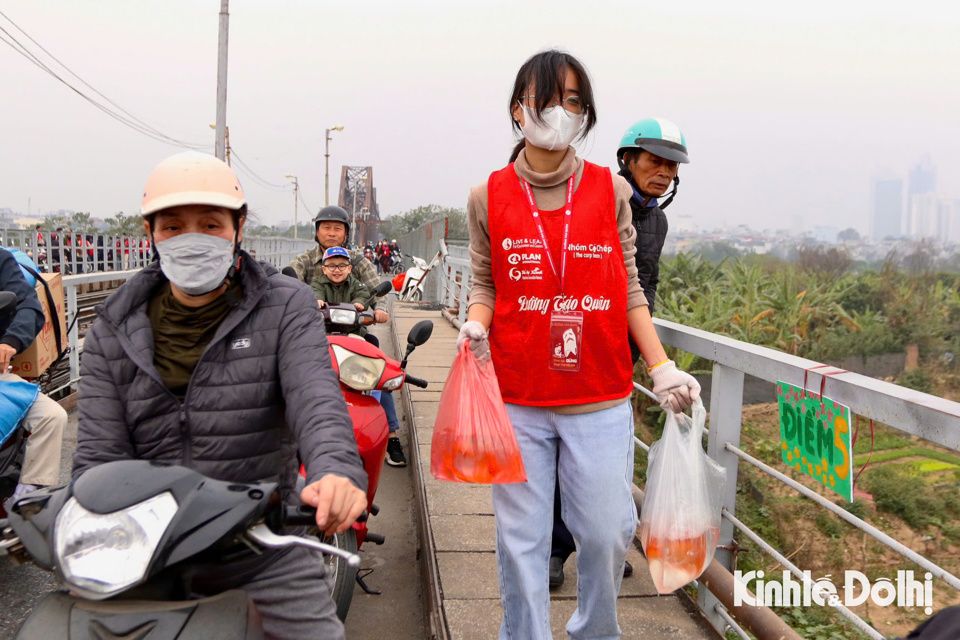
column 684, row 224
column 886, row 203
column 949, row 220
column 921, row 180
column 825, row 234
column 924, row 216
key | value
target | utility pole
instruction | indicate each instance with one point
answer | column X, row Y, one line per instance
column 220, row 144
column 296, row 197
column 326, row 172
column 353, row 225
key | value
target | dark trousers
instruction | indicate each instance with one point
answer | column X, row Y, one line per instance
column 563, row 544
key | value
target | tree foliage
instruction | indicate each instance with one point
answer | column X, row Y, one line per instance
column 401, row 224
column 78, row 222
column 827, row 263
column 849, row 235
column 122, row 224
column 804, row 312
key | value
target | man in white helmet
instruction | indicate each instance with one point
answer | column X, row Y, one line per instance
column 214, row 361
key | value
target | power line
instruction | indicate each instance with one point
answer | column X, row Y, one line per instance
column 132, row 122
column 303, row 202
column 253, row 175
column 84, row 82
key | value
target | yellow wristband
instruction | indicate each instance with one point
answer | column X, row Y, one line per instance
column 657, row 365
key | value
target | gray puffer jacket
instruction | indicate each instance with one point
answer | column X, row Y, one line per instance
column 263, row 388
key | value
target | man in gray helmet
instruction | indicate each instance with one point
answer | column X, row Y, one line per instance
column 332, row 226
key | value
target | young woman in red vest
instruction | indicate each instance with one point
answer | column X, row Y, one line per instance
column 554, row 295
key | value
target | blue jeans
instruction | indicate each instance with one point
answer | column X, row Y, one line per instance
column 592, row 454
column 386, row 401
column 385, row 398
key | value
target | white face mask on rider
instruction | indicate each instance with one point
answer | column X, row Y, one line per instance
column 196, row 263
column 555, row 129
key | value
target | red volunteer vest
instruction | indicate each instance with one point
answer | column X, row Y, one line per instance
column 528, row 293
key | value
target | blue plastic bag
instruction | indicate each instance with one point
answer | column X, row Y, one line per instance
column 16, row 398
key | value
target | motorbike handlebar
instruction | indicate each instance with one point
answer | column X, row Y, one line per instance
column 304, row 516
column 417, row 382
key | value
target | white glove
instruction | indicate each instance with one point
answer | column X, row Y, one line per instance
column 676, row 390
column 477, row 335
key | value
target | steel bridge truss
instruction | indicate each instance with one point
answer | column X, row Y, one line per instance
column 358, row 197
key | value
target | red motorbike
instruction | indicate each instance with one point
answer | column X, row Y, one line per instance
column 362, row 369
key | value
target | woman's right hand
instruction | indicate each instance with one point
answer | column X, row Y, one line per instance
column 476, row 333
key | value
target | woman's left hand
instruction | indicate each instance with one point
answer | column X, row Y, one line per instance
column 676, row 390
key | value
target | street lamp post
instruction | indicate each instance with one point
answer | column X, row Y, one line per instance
column 220, row 147
column 226, row 140
column 296, row 197
column 326, row 174
column 353, row 224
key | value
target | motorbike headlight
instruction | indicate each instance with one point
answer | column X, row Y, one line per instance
column 101, row 555
column 356, row 371
column 392, row 383
column 343, row 316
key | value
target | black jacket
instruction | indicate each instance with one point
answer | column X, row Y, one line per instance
column 19, row 329
column 263, row 389
column 651, row 226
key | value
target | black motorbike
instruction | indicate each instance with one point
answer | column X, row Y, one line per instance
column 124, row 538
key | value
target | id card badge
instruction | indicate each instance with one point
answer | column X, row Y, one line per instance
column 566, row 334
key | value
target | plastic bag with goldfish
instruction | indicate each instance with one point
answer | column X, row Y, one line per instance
column 473, row 439
column 680, row 518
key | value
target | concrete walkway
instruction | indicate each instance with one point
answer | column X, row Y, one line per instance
column 460, row 536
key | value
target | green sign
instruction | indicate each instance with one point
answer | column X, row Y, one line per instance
column 815, row 437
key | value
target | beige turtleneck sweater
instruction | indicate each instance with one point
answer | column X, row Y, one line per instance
column 549, row 190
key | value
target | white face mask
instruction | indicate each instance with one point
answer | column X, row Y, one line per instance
column 196, row 263
column 556, row 128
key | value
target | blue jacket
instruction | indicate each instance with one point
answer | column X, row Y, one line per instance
column 20, row 329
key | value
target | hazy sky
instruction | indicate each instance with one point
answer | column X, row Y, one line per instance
column 788, row 112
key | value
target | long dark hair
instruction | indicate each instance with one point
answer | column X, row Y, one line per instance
column 547, row 71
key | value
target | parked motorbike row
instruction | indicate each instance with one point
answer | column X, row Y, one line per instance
column 125, row 536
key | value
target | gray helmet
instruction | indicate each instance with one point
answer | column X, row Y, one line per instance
column 332, row 213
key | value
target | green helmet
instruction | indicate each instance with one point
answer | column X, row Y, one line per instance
column 656, row 135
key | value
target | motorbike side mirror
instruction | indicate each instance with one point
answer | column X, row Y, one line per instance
column 383, row 289
column 420, row 333
column 8, row 302
column 289, row 271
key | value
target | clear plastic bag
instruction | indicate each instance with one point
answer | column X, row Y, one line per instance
column 680, row 519
column 473, row 440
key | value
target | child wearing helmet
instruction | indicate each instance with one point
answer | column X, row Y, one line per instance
column 337, row 284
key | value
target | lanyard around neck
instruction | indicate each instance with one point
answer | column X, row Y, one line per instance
column 567, row 216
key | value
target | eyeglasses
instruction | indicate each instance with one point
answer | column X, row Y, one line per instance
column 336, row 267
column 571, row 104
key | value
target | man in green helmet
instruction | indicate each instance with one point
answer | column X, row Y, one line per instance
column 650, row 154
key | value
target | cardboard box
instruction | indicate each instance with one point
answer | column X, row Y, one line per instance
column 40, row 355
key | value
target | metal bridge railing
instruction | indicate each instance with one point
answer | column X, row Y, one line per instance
column 79, row 253
column 80, row 303
column 424, row 242
column 929, row 417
